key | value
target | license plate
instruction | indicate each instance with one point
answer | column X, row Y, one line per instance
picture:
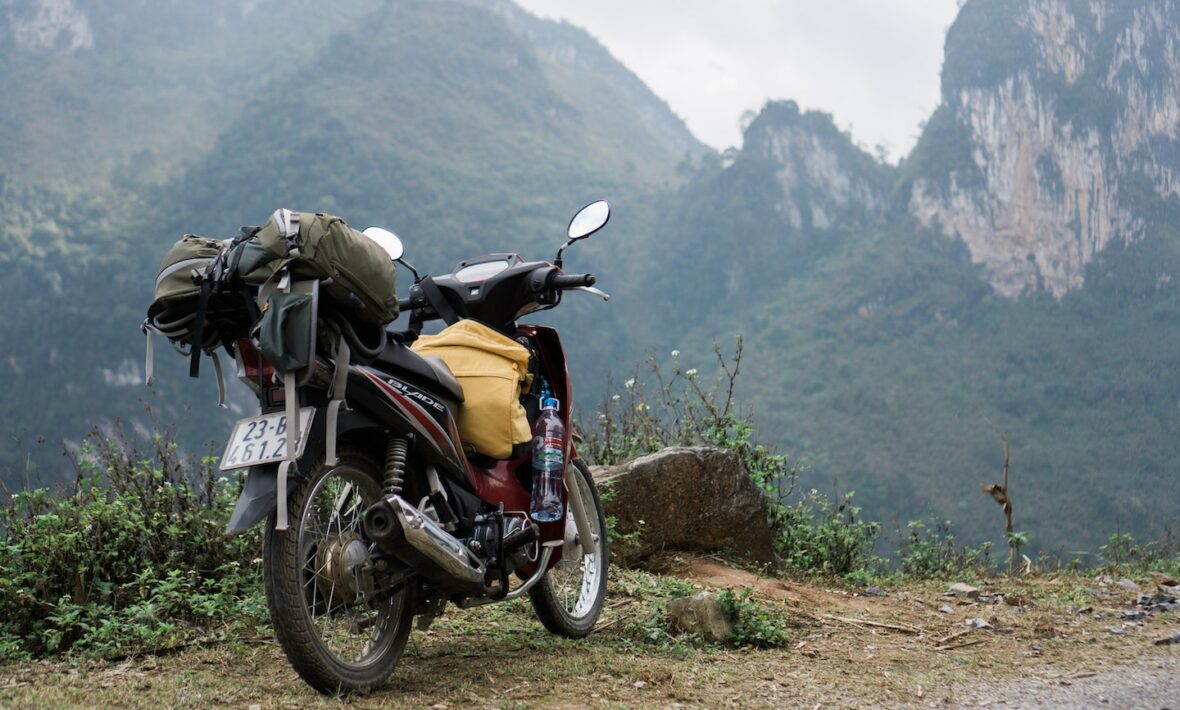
column 263, row 439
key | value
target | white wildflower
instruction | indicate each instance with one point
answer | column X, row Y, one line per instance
column 615, row 398
column 690, row 372
column 629, row 383
column 675, row 353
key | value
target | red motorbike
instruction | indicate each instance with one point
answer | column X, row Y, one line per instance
column 377, row 512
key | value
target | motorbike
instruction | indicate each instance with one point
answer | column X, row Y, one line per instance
column 377, row 515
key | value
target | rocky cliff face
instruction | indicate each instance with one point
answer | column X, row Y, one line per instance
column 823, row 178
column 1058, row 119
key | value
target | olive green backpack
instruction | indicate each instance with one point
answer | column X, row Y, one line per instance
column 207, row 290
column 356, row 274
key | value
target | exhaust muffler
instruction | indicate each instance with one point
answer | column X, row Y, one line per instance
column 414, row 538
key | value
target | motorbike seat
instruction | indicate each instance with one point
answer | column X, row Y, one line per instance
column 429, row 372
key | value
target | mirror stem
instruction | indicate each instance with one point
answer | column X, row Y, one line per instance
column 409, row 266
column 558, row 260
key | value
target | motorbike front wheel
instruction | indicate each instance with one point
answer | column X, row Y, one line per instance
column 341, row 631
column 569, row 599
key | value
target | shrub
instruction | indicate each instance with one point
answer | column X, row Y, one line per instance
column 930, row 551
column 133, row 558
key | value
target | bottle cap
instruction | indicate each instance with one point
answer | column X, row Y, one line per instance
column 549, row 403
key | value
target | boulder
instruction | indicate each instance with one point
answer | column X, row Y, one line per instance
column 694, row 499
column 701, row 614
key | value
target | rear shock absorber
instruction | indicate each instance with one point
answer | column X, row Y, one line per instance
column 395, row 464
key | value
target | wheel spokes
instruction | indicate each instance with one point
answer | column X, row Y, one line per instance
column 576, row 581
column 349, row 625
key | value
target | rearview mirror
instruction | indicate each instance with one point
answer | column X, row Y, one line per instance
column 387, row 240
column 589, row 220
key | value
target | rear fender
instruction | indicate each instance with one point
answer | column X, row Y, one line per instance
column 258, row 499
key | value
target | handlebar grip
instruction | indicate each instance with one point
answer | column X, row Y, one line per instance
column 572, row 281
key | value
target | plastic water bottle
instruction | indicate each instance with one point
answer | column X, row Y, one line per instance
column 548, row 463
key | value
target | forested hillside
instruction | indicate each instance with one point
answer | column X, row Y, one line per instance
column 446, row 121
column 1016, row 273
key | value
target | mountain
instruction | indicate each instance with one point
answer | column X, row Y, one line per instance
column 1055, row 138
column 445, row 120
column 1014, row 275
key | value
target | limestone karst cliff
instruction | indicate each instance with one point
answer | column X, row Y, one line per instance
column 1057, row 116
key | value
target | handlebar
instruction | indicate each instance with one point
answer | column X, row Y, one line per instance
column 545, row 283
column 561, row 281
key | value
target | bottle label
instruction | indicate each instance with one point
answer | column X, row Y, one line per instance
column 547, row 453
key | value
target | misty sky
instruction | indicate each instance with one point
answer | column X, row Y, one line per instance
column 872, row 64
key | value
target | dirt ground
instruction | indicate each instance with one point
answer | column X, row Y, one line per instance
column 849, row 648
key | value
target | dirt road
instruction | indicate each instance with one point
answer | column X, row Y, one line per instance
column 1053, row 643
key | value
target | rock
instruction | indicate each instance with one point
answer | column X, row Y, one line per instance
column 699, row 499
column 1150, row 600
column 701, row 614
column 1132, row 615
column 979, row 624
column 1117, row 631
column 946, row 609
column 1162, row 580
column 963, row 591
column 1128, row 584
column 876, row 592
column 1168, row 640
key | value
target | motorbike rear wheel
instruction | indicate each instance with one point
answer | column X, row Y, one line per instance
column 569, row 599
column 339, row 634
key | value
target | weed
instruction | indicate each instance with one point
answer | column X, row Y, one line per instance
column 650, row 626
column 814, row 535
column 756, row 623
column 930, row 552
column 1122, row 554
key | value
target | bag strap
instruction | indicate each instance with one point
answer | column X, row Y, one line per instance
column 198, row 337
column 438, row 301
column 213, row 275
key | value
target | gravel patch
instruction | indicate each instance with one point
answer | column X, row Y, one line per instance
column 1154, row 683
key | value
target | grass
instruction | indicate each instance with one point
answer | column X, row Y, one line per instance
column 500, row 656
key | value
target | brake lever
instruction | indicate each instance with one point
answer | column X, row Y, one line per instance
column 591, row 290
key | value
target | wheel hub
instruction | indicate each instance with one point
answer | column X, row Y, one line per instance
column 572, row 550
column 340, row 562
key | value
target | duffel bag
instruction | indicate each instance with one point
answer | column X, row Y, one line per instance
column 357, row 275
column 493, row 371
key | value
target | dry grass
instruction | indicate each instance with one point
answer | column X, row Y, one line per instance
column 501, row 657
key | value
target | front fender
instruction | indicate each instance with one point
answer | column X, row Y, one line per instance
column 258, row 499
